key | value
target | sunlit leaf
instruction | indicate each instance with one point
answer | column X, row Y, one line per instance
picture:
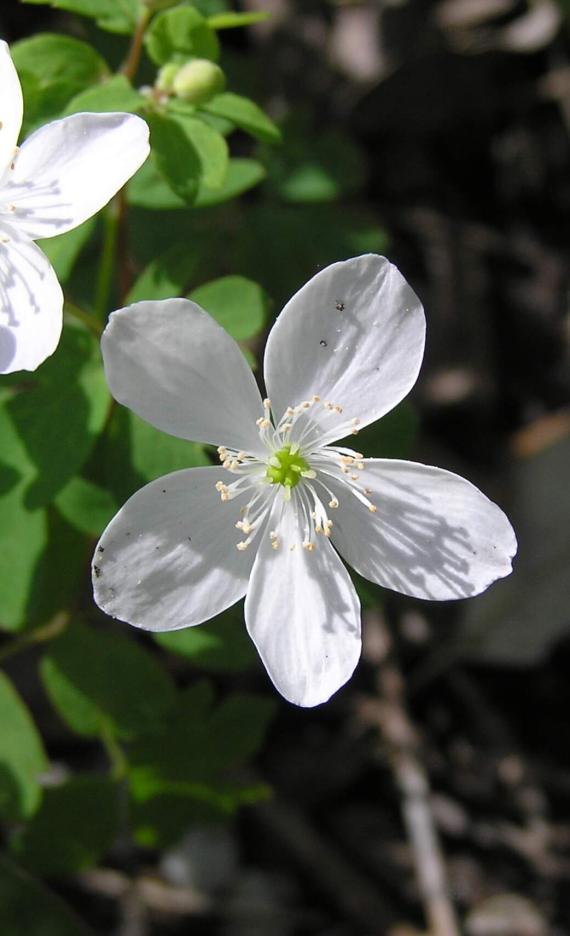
column 180, row 33
column 22, row 756
column 245, row 114
column 237, row 303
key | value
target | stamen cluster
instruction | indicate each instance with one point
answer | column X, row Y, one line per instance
column 299, row 470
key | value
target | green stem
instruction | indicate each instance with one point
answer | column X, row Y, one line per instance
column 108, row 258
column 114, row 751
column 88, row 320
column 39, row 635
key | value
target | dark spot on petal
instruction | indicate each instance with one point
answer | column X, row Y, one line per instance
column 340, row 307
column 164, row 490
column 97, row 571
column 100, row 549
column 323, row 343
column 189, row 538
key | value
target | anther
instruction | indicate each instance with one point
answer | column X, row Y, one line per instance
column 333, row 503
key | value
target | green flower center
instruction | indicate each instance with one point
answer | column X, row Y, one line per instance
column 287, row 467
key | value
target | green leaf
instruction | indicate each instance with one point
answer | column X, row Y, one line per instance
column 179, row 34
column 102, row 680
column 220, row 646
column 245, row 114
column 167, row 276
column 63, row 250
column 155, row 453
column 393, row 436
column 115, row 94
column 175, row 156
column 27, row 908
column 198, row 747
column 192, row 759
column 309, row 168
column 86, row 506
column 59, row 575
column 73, row 829
column 148, row 188
column 69, row 395
column 53, row 68
column 210, row 148
column 22, row 756
column 242, row 175
column 237, row 303
column 23, row 532
column 231, row 20
column 115, row 15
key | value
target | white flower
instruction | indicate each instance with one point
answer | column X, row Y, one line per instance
column 344, row 351
column 64, row 173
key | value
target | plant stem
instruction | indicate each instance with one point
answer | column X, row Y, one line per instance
column 88, row 320
column 130, row 67
column 115, row 753
column 38, row 635
column 111, row 217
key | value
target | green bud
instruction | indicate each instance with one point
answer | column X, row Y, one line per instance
column 198, row 81
column 165, row 78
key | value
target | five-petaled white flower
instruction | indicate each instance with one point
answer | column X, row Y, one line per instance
column 343, row 352
column 64, row 173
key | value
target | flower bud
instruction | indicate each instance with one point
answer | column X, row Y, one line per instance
column 198, row 81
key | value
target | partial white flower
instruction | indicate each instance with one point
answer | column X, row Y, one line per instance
column 63, row 173
column 275, row 519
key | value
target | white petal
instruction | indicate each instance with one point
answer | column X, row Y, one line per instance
column 353, row 335
column 174, row 366
column 31, row 303
column 434, row 534
column 168, row 559
column 67, row 170
column 303, row 614
column 11, row 107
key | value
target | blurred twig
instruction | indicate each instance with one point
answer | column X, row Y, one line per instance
column 388, row 714
column 48, row 631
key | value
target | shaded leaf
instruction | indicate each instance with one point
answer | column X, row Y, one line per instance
column 69, row 395
column 99, row 680
column 175, row 156
column 73, row 829
column 115, row 15
column 64, row 249
column 28, row 908
column 220, row 646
